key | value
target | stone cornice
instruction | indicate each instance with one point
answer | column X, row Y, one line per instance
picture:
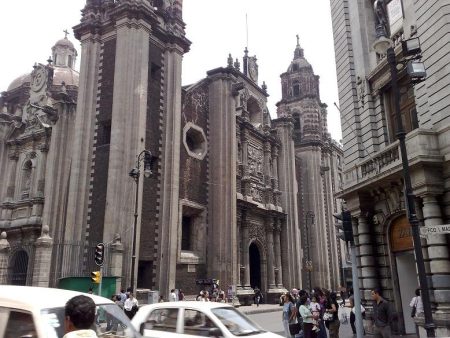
column 237, row 74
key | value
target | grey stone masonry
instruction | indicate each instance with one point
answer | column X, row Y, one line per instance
column 42, row 260
column 4, row 257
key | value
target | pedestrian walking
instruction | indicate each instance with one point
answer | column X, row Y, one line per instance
column 258, row 296
column 289, row 313
column 382, row 315
column 79, row 317
column 331, row 312
column 322, row 300
column 123, row 296
column 172, row 296
column 416, row 305
column 180, row 295
column 131, row 306
column 308, row 318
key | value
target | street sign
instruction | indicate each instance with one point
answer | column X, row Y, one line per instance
column 435, row 230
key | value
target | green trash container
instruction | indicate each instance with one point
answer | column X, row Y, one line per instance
column 83, row 284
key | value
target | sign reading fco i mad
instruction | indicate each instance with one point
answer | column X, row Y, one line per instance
column 435, row 230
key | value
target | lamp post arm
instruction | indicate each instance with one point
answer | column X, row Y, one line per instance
column 409, row 198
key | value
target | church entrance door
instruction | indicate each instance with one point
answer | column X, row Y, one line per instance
column 255, row 266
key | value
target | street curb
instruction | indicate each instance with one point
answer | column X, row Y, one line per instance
column 256, row 311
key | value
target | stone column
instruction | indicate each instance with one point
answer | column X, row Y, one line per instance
column 4, row 258
column 14, row 157
column 267, row 156
column 40, row 186
column 438, row 254
column 367, row 266
column 239, row 254
column 277, row 247
column 116, row 263
column 270, row 254
column 245, row 253
column 42, row 259
column 41, row 171
column 245, row 172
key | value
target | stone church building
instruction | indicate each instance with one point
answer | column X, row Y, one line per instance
column 234, row 194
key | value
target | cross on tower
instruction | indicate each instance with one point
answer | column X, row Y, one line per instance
column 298, row 40
column 66, row 33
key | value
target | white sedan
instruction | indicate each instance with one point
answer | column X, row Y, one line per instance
column 195, row 319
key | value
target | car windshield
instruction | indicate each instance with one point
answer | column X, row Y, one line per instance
column 236, row 322
column 110, row 321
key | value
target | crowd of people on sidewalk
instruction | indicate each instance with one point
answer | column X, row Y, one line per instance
column 315, row 314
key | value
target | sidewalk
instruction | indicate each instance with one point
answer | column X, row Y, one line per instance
column 262, row 308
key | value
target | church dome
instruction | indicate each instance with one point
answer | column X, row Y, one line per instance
column 18, row 82
column 298, row 64
column 299, row 60
column 65, row 42
column 67, row 75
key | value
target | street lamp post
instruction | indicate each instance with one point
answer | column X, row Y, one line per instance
column 417, row 73
column 135, row 173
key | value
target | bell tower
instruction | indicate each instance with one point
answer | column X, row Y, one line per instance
column 129, row 100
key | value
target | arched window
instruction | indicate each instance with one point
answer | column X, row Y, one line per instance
column 26, row 178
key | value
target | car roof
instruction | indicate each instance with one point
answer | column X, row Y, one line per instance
column 32, row 297
column 190, row 304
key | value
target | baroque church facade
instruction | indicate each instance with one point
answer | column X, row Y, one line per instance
column 234, row 194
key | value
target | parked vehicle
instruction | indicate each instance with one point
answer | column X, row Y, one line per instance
column 195, row 319
column 35, row 312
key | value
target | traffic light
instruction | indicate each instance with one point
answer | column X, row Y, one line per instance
column 345, row 224
column 99, row 254
column 96, row 277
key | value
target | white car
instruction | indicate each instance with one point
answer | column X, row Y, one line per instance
column 35, row 312
column 195, row 319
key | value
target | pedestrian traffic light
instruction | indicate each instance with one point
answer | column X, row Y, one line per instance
column 96, row 277
column 99, row 254
column 345, row 224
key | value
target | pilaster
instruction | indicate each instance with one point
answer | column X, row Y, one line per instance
column 170, row 171
column 42, row 259
column 438, row 253
column 5, row 250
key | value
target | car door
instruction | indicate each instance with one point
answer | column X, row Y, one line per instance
column 162, row 322
column 198, row 324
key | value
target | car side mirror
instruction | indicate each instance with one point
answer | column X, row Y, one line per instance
column 215, row 332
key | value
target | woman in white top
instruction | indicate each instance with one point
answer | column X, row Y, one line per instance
column 417, row 302
column 131, row 306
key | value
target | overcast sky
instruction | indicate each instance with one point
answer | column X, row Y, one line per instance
column 215, row 27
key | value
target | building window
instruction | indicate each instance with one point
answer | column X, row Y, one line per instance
column 408, row 110
column 186, row 233
column 26, row 178
column 194, row 140
column 295, row 67
column 191, row 233
column 296, row 89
